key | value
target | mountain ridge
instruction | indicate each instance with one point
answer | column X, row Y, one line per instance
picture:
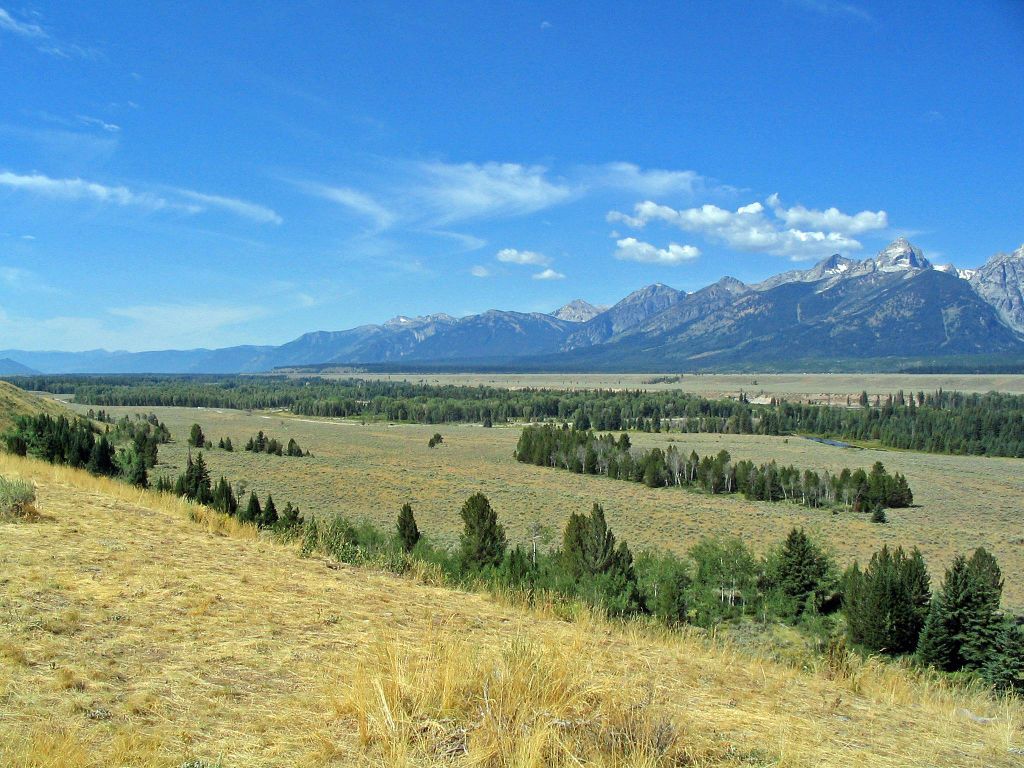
column 894, row 304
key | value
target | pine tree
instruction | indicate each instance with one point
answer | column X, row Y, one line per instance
column 269, row 517
column 483, row 541
column 801, row 573
column 588, row 546
column 253, row 513
column 408, row 532
column 196, row 438
column 964, row 626
column 886, row 604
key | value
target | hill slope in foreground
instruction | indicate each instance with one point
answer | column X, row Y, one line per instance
column 17, row 402
column 139, row 630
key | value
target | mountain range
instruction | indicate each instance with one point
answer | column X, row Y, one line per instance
column 895, row 306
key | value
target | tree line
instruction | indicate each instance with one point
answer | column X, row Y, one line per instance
column 938, row 422
column 585, row 452
column 196, row 484
column 76, row 442
column 887, row 608
column 260, row 443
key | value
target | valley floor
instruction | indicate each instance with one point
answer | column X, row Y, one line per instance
column 132, row 635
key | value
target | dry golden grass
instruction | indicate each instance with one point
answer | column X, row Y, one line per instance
column 140, row 630
column 17, row 402
column 371, row 470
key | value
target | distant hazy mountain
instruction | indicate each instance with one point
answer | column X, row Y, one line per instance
column 10, row 367
column 895, row 305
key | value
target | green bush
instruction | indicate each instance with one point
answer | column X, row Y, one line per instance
column 16, row 497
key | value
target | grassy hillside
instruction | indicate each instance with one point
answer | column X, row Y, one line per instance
column 17, row 402
column 139, row 630
column 369, row 471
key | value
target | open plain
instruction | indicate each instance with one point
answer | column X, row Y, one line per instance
column 369, row 470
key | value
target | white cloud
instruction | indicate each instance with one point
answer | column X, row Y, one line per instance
column 835, row 8
column 356, row 201
column 513, row 256
column 631, row 249
column 78, row 189
column 831, row 219
column 243, row 208
column 652, row 182
column 22, row 28
column 480, row 271
column 45, row 41
column 456, row 192
column 745, row 229
column 548, row 274
column 95, row 121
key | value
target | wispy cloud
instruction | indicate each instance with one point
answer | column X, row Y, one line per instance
column 457, row 192
column 79, row 189
column 480, row 271
column 45, row 42
column 186, row 200
column 243, row 208
column 549, row 274
column 514, row 256
column 651, row 182
column 834, row 8
column 96, row 122
column 631, row 249
column 21, row 28
column 356, row 201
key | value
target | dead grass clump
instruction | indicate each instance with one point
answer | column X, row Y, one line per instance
column 523, row 703
column 17, row 499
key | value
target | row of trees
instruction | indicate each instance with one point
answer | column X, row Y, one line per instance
column 943, row 422
column 196, row 485
column 584, row 452
column 260, row 443
column 890, row 609
column 886, row 608
column 74, row 442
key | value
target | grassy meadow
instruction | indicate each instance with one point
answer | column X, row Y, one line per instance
column 369, row 471
column 140, row 630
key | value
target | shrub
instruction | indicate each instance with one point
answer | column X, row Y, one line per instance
column 16, row 497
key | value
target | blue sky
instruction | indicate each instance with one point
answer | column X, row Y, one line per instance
column 206, row 174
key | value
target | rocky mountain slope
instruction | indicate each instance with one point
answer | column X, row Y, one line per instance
column 1000, row 282
column 893, row 305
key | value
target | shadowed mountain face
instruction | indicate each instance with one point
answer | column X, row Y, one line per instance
column 895, row 305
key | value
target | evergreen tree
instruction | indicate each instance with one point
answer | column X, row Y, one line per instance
column 886, row 605
column 269, row 517
column 800, row 572
column 588, row 545
column 408, row 532
column 136, row 471
column 227, row 444
column 101, row 458
column 196, row 438
column 964, row 626
column 291, row 517
column 1005, row 669
column 253, row 513
column 483, row 541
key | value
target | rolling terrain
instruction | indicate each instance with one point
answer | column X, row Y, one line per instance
column 16, row 402
column 141, row 630
column 884, row 313
column 369, row 471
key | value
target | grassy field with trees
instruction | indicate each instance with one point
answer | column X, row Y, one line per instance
column 369, row 471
